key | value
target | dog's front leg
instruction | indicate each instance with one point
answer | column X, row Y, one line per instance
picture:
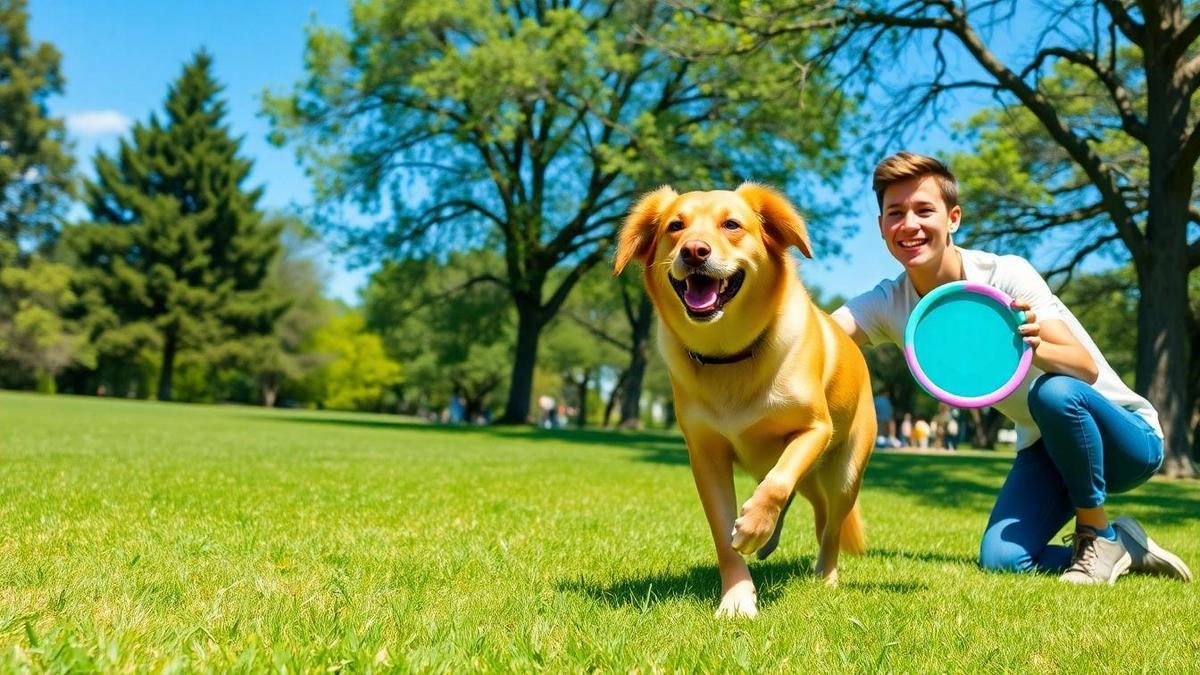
column 712, row 468
column 761, row 512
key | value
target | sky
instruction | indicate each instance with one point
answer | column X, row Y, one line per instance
column 118, row 57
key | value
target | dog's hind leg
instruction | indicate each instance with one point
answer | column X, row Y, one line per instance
column 839, row 505
column 773, row 543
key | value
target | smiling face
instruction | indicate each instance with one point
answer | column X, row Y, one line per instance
column 709, row 241
column 915, row 223
column 712, row 257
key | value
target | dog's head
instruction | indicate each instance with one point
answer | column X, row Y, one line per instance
column 712, row 257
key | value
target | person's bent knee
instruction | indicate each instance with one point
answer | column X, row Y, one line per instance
column 998, row 555
column 1054, row 394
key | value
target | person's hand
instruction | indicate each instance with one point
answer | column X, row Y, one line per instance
column 1031, row 330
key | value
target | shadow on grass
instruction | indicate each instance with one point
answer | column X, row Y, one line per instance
column 663, row 447
column 702, row 583
column 962, row 481
column 955, row 481
column 921, row 556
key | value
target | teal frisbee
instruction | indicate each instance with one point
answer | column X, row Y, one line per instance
column 962, row 345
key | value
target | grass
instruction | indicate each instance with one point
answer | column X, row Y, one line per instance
column 141, row 536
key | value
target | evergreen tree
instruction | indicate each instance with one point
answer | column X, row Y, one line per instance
column 176, row 242
column 35, row 166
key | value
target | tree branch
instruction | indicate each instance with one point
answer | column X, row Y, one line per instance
column 1134, row 31
column 586, row 325
column 1130, row 121
column 1078, row 148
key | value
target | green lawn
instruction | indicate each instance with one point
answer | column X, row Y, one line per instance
column 148, row 536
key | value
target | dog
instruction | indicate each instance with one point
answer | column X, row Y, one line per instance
column 761, row 377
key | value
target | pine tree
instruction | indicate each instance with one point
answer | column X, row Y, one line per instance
column 35, row 166
column 176, row 242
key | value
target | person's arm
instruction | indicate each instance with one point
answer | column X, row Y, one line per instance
column 1055, row 349
column 845, row 319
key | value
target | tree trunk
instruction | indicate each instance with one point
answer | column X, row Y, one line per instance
column 520, row 390
column 613, row 398
column 986, row 428
column 631, row 395
column 583, row 384
column 1162, row 357
column 1163, row 311
column 167, row 373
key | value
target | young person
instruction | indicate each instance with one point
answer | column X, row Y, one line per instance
column 1081, row 432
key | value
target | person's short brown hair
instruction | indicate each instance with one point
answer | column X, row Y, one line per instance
column 904, row 165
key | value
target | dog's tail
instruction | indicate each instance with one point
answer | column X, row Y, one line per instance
column 854, row 538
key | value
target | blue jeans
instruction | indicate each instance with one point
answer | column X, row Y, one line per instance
column 1090, row 447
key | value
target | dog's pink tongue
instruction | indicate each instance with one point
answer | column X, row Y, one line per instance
column 701, row 292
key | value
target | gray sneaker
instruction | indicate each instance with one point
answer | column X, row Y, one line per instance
column 1095, row 560
column 1147, row 556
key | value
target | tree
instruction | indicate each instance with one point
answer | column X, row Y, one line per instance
column 36, row 184
column 619, row 315
column 531, row 125
column 262, row 367
column 357, row 375
column 36, row 335
column 176, row 243
column 1109, row 91
column 452, row 331
column 574, row 353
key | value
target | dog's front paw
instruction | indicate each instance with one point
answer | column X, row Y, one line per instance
column 741, row 600
column 755, row 526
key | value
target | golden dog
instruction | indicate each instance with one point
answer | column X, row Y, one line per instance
column 761, row 377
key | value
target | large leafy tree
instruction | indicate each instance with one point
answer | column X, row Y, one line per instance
column 1106, row 90
column 530, row 125
column 35, row 165
column 449, row 324
column 177, row 244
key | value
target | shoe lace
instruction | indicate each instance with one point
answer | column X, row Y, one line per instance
column 1083, row 554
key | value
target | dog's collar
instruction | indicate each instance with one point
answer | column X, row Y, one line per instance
column 732, row 358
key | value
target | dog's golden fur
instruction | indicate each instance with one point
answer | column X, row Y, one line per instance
column 796, row 410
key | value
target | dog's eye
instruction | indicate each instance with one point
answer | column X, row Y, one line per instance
column 731, row 225
column 675, row 226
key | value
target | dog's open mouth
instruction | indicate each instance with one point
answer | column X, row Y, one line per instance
column 703, row 296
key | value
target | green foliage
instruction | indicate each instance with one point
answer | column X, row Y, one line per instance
column 265, row 367
column 37, row 340
column 357, row 375
column 36, row 183
column 451, row 325
column 509, row 122
column 177, row 246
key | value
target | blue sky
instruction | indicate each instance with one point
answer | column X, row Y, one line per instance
column 119, row 56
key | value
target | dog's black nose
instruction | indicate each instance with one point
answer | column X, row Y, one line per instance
column 695, row 252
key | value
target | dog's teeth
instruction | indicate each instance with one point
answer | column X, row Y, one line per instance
column 724, row 284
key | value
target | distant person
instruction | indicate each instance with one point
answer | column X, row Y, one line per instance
column 885, row 419
column 906, row 430
column 546, row 405
column 1082, row 433
column 941, row 422
column 921, row 431
column 952, row 433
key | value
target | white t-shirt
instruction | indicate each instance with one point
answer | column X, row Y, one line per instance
column 883, row 311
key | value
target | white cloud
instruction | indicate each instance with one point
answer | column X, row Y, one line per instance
column 95, row 123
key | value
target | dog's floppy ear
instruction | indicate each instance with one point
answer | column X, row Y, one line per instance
column 637, row 234
column 781, row 221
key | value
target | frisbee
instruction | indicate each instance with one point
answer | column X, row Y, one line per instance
column 962, row 345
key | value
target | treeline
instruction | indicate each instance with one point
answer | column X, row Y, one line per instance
column 176, row 284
